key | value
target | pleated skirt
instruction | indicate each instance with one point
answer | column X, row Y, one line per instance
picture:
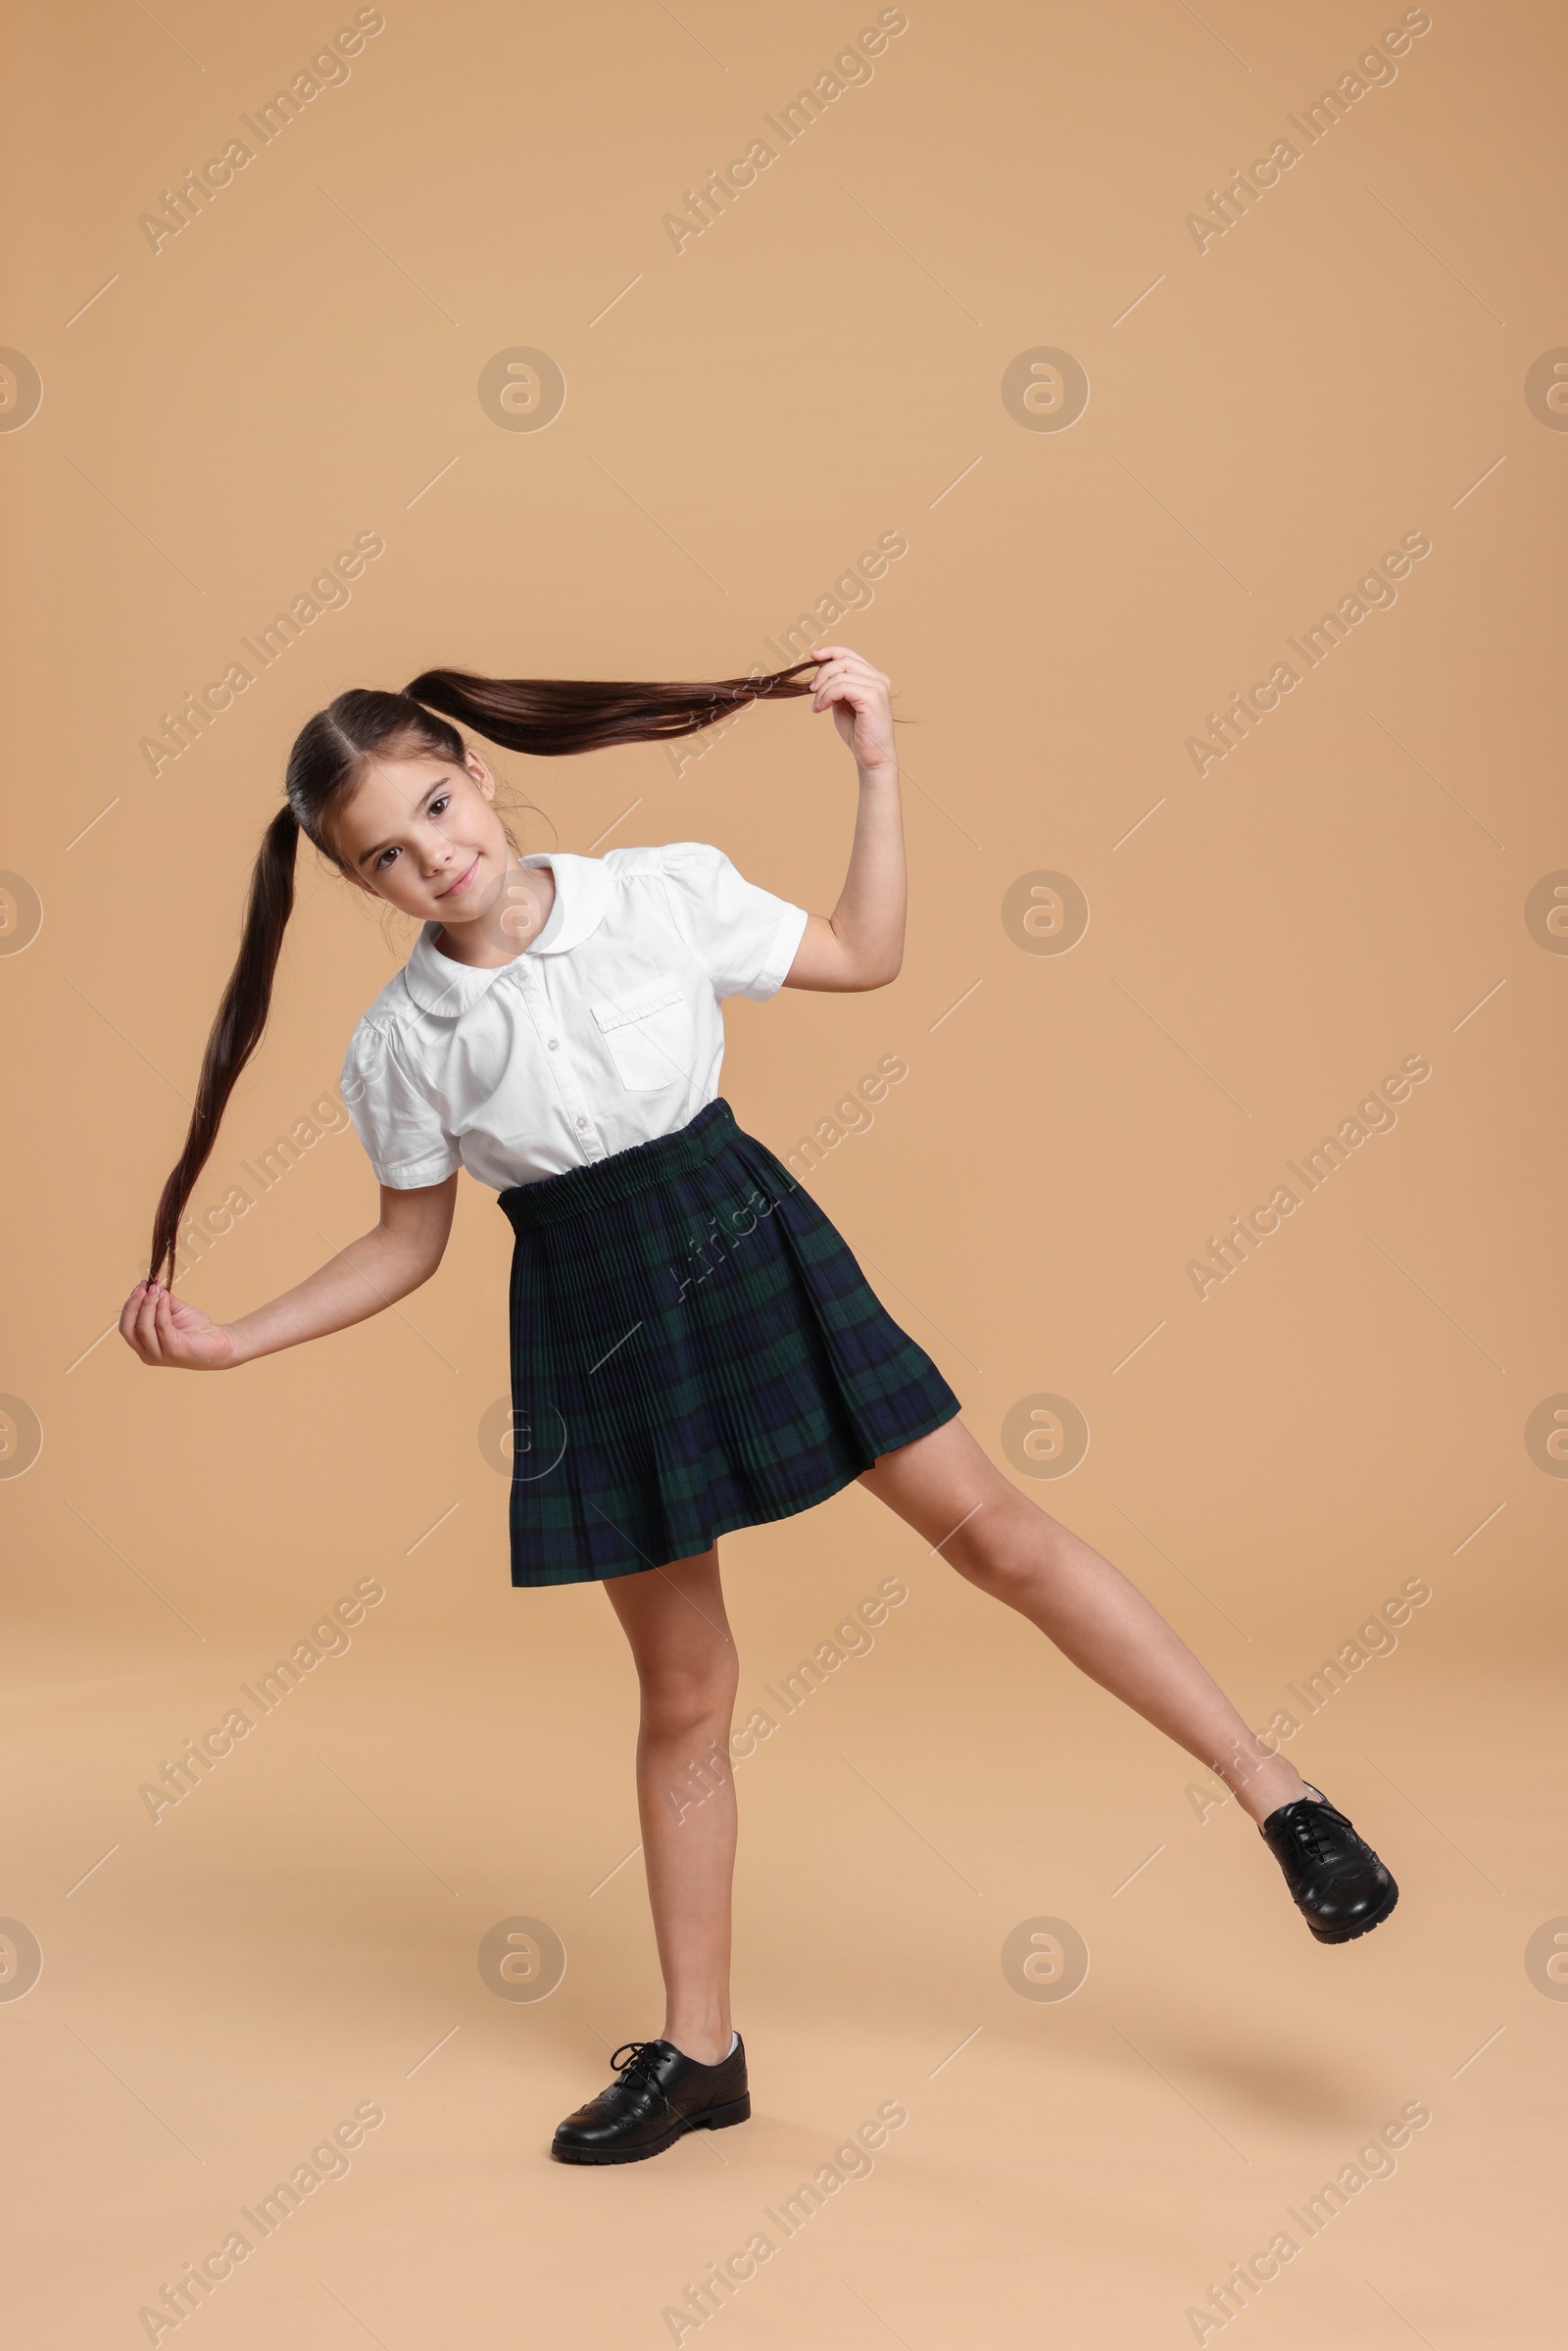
column 694, row 1349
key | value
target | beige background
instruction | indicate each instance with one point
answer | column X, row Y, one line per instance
column 1344, row 365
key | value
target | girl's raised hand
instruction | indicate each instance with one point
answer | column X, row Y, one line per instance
column 860, row 698
column 169, row 1331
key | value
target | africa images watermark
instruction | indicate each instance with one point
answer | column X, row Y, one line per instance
column 852, row 1114
column 329, row 1638
column 1375, row 69
column 851, row 2161
column 328, row 69
column 856, row 1116
column 1376, row 1115
column 852, row 1637
column 330, row 2160
column 328, row 592
column 854, row 589
column 1374, row 2161
column 851, row 69
column 851, row 592
column 206, row 1226
column 1246, row 713
column 702, row 1247
column 1376, row 1637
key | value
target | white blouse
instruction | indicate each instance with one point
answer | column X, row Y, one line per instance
column 604, row 1032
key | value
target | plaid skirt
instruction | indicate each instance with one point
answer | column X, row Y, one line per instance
column 694, row 1349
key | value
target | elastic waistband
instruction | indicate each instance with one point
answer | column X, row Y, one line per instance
column 556, row 1199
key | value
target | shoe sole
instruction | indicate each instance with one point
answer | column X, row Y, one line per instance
column 1350, row 1934
column 715, row 2118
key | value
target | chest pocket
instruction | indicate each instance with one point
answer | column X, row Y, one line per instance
column 651, row 1034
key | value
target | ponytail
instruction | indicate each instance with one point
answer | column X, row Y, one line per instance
column 546, row 717
column 237, row 1030
column 552, row 716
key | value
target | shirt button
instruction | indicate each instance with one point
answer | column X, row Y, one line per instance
column 582, row 1123
column 555, row 1044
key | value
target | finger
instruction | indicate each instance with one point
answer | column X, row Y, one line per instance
column 147, row 1327
column 832, row 675
column 171, row 1346
column 851, row 665
column 141, row 1319
column 843, row 685
column 843, row 653
column 127, row 1315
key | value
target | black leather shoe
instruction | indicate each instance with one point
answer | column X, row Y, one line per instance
column 1340, row 1886
column 657, row 2095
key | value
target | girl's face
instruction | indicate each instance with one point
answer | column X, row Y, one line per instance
column 424, row 834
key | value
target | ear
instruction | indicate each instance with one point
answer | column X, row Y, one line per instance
column 480, row 773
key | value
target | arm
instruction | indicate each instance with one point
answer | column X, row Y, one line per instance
column 370, row 1273
column 861, row 944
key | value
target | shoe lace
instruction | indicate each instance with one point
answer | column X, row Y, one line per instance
column 1314, row 1839
column 635, row 2060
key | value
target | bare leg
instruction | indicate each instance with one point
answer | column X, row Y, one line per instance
column 680, row 1640
column 996, row 1536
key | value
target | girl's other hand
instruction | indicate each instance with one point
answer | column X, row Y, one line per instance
column 860, row 698
column 171, row 1332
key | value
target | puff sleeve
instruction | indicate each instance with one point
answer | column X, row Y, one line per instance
column 404, row 1136
column 744, row 938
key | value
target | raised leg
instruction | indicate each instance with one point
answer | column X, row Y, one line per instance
column 686, row 1665
column 953, row 1495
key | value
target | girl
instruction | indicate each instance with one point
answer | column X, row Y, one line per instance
column 693, row 1347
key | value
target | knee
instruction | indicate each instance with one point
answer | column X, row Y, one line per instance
column 684, row 1701
column 1004, row 1548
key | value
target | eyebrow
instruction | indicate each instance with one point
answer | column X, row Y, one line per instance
column 437, row 786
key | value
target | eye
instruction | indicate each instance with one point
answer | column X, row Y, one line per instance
column 436, row 806
column 384, row 859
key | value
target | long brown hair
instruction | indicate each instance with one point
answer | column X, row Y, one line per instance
column 547, row 718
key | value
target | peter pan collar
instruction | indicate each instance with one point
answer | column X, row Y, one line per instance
column 583, row 894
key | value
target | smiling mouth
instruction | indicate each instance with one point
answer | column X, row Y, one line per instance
column 462, row 881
